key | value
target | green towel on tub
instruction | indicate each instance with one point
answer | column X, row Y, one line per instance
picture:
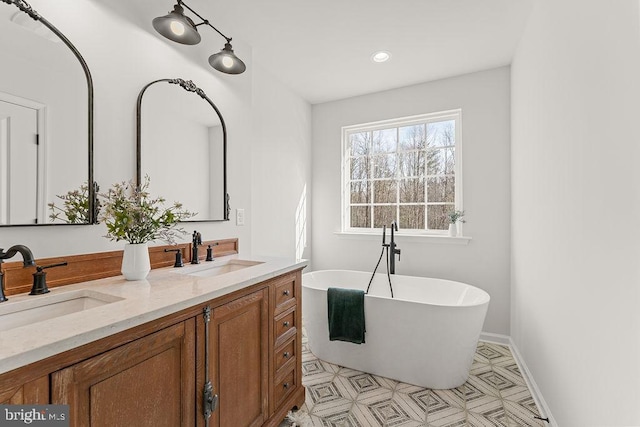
column 346, row 315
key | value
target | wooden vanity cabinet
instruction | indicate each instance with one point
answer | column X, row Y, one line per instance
column 254, row 354
column 35, row 391
column 286, row 344
column 147, row 382
column 247, row 344
column 238, row 359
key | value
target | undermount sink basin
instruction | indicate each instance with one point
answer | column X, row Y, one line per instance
column 215, row 268
column 41, row 308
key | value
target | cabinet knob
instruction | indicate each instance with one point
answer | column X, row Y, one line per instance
column 286, row 355
column 285, row 386
column 285, row 324
column 286, row 292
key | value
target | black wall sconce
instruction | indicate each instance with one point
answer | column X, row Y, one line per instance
column 180, row 28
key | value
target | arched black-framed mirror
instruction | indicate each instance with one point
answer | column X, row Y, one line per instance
column 182, row 147
column 46, row 124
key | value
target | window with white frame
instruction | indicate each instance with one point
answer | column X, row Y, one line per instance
column 407, row 169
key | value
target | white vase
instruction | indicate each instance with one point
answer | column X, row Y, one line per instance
column 453, row 232
column 135, row 261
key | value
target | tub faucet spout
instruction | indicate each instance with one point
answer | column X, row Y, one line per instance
column 393, row 249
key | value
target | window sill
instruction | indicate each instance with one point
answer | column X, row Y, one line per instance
column 427, row 238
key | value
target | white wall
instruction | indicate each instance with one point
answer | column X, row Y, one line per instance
column 575, row 208
column 484, row 262
column 123, row 58
column 280, row 164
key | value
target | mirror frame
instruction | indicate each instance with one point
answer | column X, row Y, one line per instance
column 189, row 86
column 92, row 187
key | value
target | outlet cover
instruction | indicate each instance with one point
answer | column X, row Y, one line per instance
column 239, row 216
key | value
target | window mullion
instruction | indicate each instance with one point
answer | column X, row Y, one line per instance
column 398, row 175
column 426, row 182
column 370, row 178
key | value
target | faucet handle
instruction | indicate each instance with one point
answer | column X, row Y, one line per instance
column 210, row 251
column 178, row 262
column 40, row 279
column 60, row 264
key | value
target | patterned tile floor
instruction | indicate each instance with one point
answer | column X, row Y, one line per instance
column 495, row 395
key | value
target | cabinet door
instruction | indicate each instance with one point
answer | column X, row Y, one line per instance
column 34, row 392
column 239, row 360
column 147, row 382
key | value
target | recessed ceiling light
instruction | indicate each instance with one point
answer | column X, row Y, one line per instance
column 381, row 56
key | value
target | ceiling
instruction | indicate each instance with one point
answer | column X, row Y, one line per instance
column 322, row 49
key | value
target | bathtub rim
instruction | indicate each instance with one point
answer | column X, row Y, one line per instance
column 486, row 298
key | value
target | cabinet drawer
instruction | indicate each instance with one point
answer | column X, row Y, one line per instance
column 285, row 292
column 284, row 353
column 284, row 323
column 285, row 386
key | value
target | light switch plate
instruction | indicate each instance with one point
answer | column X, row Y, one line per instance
column 239, row 216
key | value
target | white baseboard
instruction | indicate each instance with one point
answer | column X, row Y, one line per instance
column 526, row 374
column 535, row 391
column 495, row 338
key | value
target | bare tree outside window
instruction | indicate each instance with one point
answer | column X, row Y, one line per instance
column 404, row 172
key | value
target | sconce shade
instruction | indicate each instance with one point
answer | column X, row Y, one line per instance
column 177, row 27
column 180, row 28
column 226, row 61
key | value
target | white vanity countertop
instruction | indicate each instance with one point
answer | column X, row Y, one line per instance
column 165, row 291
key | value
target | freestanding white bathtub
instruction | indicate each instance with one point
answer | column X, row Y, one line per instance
column 426, row 335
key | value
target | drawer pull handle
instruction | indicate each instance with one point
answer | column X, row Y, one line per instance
column 285, row 386
column 285, row 324
column 286, row 355
column 286, row 292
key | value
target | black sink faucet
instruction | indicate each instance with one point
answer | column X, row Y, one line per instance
column 27, row 260
column 196, row 241
column 393, row 251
